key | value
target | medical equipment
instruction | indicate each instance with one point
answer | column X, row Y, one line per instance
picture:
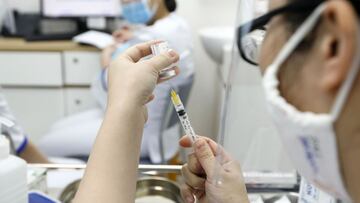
column 148, row 189
column 13, row 186
column 80, row 8
column 38, row 197
column 246, row 132
column 157, row 189
column 184, row 119
column 160, row 48
column 310, row 194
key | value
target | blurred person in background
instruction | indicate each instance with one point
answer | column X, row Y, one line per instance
column 148, row 20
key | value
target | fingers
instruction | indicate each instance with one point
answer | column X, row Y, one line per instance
column 116, row 33
column 192, row 179
column 194, row 165
column 187, row 193
column 185, row 142
column 232, row 167
column 151, row 98
column 117, row 37
column 199, row 194
column 205, row 156
column 177, row 72
column 135, row 53
column 163, row 60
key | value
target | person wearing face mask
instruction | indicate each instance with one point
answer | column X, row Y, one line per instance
column 310, row 61
column 308, row 45
column 149, row 20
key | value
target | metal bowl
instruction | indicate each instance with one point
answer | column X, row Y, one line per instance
column 157, row 186
column 147, row 186
column 292, row 197
column 68, row 194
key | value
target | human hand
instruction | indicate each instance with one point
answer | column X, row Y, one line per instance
column 106, row 55
column 123, row 35
column 132, row 81
column 199, row 174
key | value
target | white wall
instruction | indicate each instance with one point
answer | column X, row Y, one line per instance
column 204, row 101
column 203, row 105
column 25, row 5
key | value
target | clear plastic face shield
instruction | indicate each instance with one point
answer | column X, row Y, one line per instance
column 247, row 131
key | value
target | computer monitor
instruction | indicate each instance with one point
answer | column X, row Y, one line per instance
column 80, row 8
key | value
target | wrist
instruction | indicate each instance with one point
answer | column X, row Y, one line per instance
column 124, row 98
column 126, row 108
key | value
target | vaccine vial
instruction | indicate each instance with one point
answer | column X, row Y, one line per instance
column 158, row 49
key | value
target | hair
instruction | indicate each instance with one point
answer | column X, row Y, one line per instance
column 170, row 5
column 293, row 21
column 296, row 19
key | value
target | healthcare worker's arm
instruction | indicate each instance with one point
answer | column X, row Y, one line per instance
column 111, row 173
column 31, row 154
column 200, row 177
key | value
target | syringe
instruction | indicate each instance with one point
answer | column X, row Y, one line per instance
column 184, row 119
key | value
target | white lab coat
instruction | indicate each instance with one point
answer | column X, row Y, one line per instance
column 16, row 133
column 85, row 125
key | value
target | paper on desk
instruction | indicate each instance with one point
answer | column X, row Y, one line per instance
column 95, row 38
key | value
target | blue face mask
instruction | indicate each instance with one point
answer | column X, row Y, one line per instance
column 138, row 12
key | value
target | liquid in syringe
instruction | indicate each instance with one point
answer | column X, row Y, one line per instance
column 184, row 119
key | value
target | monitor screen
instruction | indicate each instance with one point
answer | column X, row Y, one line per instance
column 81, row 8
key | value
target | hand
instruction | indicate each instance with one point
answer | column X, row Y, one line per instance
column 132, row 81
column 106, row 55
column 199, row 174
column 123, row 35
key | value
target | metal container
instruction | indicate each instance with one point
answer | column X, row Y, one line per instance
column 157, row 186
column 69, row 192
column 148, row 186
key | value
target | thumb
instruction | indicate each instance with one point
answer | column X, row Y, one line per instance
column 185, row 142
column 163, row 60
column 205, row 156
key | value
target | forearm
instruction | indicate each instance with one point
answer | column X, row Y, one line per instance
column 111, row 173
column 32, row 155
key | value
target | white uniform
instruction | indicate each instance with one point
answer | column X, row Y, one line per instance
column 84, row 126
column 16, row 133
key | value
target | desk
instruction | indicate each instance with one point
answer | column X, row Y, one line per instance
column 18, row 44
column 45, row 81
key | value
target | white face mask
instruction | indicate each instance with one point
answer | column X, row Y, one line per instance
column 309, row 138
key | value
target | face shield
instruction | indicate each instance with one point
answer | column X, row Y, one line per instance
column 247, row 130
